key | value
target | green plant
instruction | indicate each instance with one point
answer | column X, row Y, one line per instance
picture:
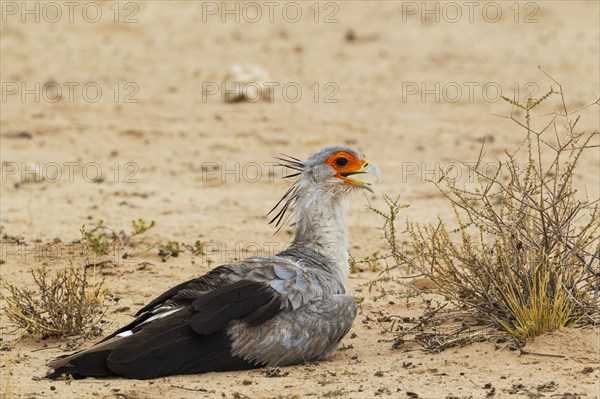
column 171, row 248
column 101, row 238
column 67, row 379
column 196, row 249
column 97, row 238
column 140, row 227
column 333, row 394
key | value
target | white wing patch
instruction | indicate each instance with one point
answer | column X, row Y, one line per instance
column 148, row 320
column 160, row 315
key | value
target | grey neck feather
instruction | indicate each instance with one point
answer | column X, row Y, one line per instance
column 321, row 226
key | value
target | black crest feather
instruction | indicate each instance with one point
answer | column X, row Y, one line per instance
column 284, row 208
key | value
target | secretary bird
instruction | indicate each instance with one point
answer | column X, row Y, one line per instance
column 281, row 310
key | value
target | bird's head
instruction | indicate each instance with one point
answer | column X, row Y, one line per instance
column 332, row 168
column 329, row 171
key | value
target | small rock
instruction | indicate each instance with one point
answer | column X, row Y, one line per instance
column 23, row 134
column 547, row 387
column 246, row 82
column 275, row 372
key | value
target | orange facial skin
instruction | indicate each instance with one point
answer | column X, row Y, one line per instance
column 343, row 168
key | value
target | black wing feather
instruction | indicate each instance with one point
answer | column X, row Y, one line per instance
column 190, row 341
column 90, row 364
column 180, row 295
column 178, row 350
column 264, row 312
column 189, row 289
column 235, row 301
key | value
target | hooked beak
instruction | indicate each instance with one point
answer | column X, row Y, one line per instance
column 367, row 167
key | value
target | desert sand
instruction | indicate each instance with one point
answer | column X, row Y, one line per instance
column 116, row 109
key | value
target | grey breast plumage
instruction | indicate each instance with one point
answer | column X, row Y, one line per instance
column 316, row 314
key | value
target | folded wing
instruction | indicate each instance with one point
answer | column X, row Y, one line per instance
column 182, row 339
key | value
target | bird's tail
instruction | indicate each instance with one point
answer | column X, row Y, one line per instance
column 87, row 363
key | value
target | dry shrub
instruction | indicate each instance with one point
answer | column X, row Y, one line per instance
column 66, row 304
column 71, row 302
column 522, row 254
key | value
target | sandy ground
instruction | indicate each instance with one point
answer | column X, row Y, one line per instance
column 137, row 130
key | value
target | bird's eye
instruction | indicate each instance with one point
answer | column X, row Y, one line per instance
column 341, row 162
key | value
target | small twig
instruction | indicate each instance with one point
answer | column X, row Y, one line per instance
column 473, row 382
column 45, row 349
column 190, row 389
column 524, row 352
